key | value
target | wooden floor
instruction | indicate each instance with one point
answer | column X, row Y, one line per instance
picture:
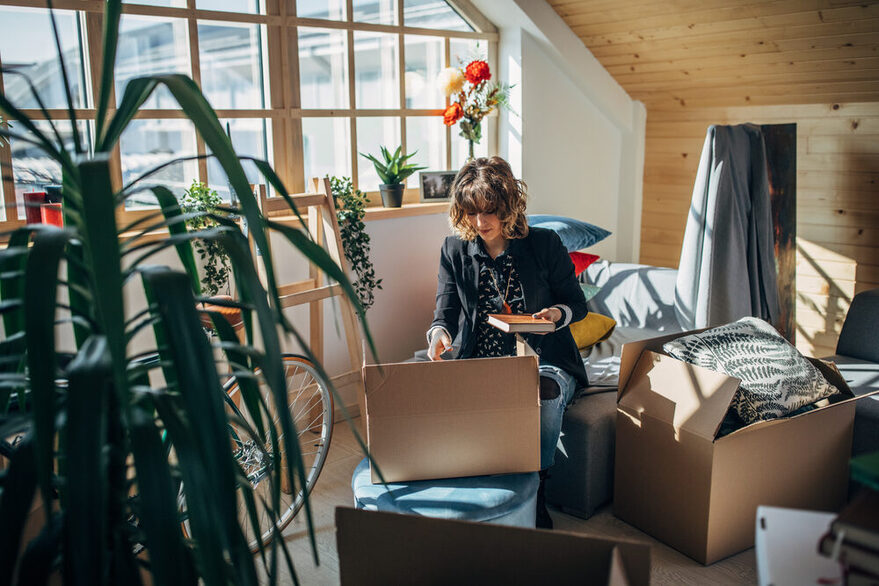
column 334, row 488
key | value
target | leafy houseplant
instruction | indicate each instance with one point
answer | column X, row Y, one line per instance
column 350, row 209
column 199, row 203
column 94, row 430
column 393, row 171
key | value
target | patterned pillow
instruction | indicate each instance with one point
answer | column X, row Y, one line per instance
column 776, row 378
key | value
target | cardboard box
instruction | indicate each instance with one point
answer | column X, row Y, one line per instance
column 699, row 494
column 453, row 418
column 378, row 548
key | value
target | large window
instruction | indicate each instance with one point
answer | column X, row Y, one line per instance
column 306, row 84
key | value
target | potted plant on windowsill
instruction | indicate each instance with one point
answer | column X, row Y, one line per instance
column 200, row 202
column 393, row 172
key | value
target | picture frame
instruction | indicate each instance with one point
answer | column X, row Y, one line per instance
column 436, row 185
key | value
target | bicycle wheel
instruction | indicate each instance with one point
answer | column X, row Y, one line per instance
column 310, row 404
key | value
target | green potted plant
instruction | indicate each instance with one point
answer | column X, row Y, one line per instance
column 350, row 210
column 393, row 172
column 93, row 426
column 201, row 202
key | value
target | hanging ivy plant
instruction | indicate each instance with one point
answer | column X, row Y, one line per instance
column 350, row 209
column 200, row 198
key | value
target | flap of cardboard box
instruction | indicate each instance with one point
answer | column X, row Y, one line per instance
column 448, row 386
column 684, row 395
column 632, row 352
column 387, row 548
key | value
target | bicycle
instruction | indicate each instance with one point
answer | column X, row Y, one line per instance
column 311, row 406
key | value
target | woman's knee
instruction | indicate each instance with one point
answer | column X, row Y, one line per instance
column 549, row 389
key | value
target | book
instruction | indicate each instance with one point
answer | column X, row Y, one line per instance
column 520, row 323
column 860, row 521
column 850, row 556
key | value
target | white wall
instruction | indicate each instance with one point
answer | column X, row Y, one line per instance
column 570, row 151
column 577, row 139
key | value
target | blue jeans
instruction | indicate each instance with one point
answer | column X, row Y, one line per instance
column 551, row 412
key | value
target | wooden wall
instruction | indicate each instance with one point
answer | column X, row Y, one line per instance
column 837, row 200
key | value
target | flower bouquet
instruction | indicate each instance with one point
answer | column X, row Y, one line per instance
column 473, row 98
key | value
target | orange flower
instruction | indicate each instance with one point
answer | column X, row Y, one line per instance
column 452, row 114
column 477, row 72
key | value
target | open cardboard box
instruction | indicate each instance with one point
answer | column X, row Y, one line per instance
column 453, row 418
column 699, row 494
column 389, row 548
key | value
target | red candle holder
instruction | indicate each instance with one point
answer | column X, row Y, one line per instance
column 51, row 214
column 33, row 200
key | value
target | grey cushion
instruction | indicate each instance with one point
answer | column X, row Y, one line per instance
column 636, row 296
column 776, row 378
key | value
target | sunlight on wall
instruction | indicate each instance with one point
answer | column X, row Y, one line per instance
column 826, row 283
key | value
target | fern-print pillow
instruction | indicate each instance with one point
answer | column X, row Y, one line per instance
column 776, row 378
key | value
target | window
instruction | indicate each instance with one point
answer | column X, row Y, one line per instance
column 303, row 84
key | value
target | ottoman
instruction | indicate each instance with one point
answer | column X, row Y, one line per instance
column 581, row 480
column 502, row 499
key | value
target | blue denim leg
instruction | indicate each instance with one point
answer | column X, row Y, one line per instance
column 551, row 412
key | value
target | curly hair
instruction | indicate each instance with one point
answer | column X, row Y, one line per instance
column 488, row 185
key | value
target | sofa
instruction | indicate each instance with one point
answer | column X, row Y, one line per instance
column 857, row 358
column 640, row 299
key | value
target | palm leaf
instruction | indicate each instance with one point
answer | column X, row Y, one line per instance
column 85, row 437
column 112, row 13
column 19, row 487
column 39, row 314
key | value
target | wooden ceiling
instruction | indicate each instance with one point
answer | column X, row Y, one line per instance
column 677, row 54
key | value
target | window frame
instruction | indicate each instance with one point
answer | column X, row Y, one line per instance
column 283, row 109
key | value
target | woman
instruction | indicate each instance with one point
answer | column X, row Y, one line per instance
column 497, row 264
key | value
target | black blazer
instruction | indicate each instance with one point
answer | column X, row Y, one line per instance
column 546, row 273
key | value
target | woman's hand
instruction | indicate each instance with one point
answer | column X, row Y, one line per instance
column 553, row 314
column 439, row 343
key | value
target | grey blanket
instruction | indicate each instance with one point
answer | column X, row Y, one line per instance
column 727, row 268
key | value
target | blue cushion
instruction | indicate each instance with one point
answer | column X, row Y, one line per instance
column 474, row 498
column 574, row 233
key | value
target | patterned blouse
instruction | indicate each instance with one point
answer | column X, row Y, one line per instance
column 498, row 282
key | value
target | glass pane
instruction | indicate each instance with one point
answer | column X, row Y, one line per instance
column 27, row 45
column 463, row 51
column 149, row 46
column 250, row 137
column 426, row 137
column 171, row 3
column 323, row 68
column 460, row 147
column 377, row 70
column 371, row 134
column 433, row 14
column 33, row 169
column 424, row 60
column 248, row 6
column 329, row 9
column 326, row 147
column 232, row 66
column 146, row 144
column 375, row 11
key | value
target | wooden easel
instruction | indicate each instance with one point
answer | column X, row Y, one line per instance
column 324, row 229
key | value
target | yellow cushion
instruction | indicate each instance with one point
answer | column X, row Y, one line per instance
column 592, row 329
